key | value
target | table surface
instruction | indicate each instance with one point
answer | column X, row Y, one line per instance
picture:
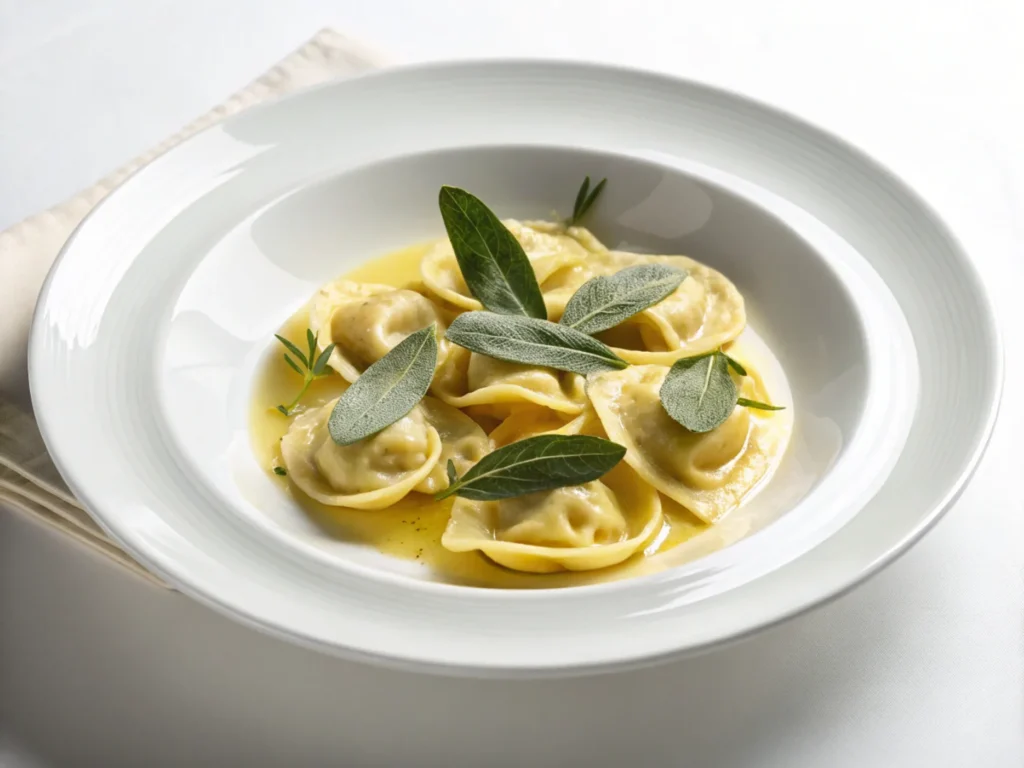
column 923, row 665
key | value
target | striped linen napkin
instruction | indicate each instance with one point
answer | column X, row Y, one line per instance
column 29, row 482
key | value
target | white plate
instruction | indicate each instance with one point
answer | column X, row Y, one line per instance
column 162, row 303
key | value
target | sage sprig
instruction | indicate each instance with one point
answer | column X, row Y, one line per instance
column 538, row 463
column 699, row 393
column 493, row 263
column 387, row 390
column 532, row 342
column 605, row 301
column 309, row 366
column 585, row 199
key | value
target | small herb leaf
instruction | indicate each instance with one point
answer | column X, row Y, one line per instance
column 283, row 410
column 492, row 261
column 280, row 471
column 311, row 342
column 293, row 365
column 581, row 198
column 734, row 364
column 537, row 463
column 746, row 403
column 293, row 349
column 387, row 390
column 452, row 475
column 585, row 199
column 604, row 302
column 533, row 342
column 321, row 362
column 698, row 392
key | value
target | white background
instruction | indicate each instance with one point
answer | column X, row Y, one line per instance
column 924, row 665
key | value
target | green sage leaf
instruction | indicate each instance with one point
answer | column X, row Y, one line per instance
column 604, row 302
column 698, row 392
column 533, row 342
column 492, row 261
column 387, row 390
column 293, row 365
column 537, row 463
column 747, row 403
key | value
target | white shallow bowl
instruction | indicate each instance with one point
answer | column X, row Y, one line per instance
column 162, row 304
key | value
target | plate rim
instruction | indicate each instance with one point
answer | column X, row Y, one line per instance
column 988, row 314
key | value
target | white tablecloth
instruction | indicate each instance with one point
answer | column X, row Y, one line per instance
column 924, row 665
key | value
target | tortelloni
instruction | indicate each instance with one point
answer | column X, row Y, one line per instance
column 462, row 441
column 703, row 313
column 497, row 388
column 410, row 455
column 365, row 321
column 372, row 473
column 546, row 245
column 708, row 473
column 576, row 528
column 527, row 422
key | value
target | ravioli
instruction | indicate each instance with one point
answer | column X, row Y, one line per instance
column 547, row 247
column 708, row 473
column 497, row 388
column 476, row 404
column 575, row 528
column 703, row 313
column 527, row 421
column 463, row 442
column 372, row 473
column 365, row 321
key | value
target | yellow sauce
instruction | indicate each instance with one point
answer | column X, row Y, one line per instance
column 412, row 528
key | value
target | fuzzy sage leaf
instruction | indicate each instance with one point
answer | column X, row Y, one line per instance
column 387, row 390
column 698, row 392
column 604, row 302
column 537, row 463
column 492, row 261
column 585, row 199
column 533, row 342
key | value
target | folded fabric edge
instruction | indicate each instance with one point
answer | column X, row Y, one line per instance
column 46, row 518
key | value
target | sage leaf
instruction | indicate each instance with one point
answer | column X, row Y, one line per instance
column 533, row 342
column 604, row 302
column 293, row 365
column 452, row 474
column 492, row 261
column 698, row 392
column 747, row 403
column 537, row 463
column 387, row 390
column 585, row 199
